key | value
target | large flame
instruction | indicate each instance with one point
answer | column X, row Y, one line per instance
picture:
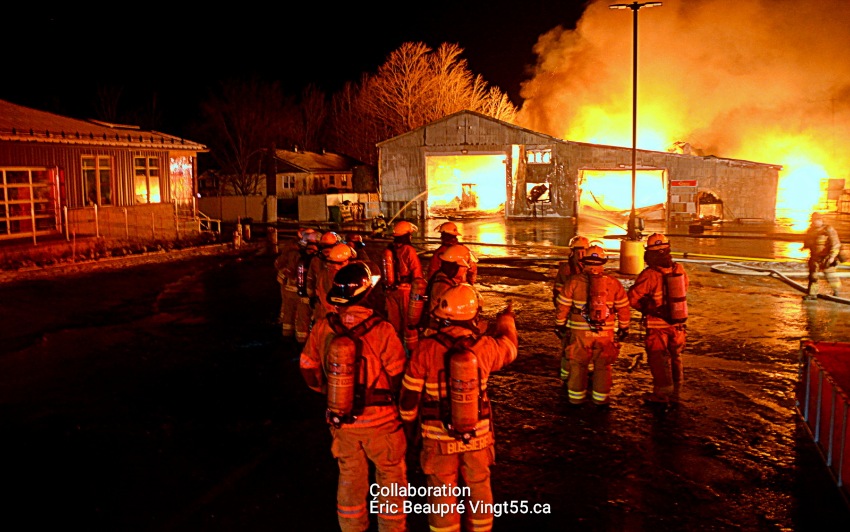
column 765, row 81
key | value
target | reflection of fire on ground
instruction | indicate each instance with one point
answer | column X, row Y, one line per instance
column 778, row 76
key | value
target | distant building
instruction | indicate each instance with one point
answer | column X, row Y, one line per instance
column 307, row 186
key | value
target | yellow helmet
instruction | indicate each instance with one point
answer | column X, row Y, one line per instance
column 403, row 227
column 458, row 253
column 657, row 241
column 594, row 256
column 458, row 303
column 448, row 228
column 339, row 253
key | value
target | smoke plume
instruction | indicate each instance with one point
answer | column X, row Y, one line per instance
column 766, row 81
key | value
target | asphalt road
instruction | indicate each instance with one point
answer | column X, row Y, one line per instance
column 159, row 396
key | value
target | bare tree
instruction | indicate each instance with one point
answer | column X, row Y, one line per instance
column 106, row 103
column 415, row 86
column 313, row 117
column 240, row 121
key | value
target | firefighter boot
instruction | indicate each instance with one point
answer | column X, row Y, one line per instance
column 812, row 294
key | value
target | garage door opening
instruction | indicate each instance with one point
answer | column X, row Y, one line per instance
column 466, row 186
column 611, row 192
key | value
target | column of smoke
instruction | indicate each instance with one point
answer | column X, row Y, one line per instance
column 765, row 81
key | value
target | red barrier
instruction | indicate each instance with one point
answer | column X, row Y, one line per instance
column 822, row 401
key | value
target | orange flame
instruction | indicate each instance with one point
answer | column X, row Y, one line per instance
column 759, row 81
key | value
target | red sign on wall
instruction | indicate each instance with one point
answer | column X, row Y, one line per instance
column 684, row 183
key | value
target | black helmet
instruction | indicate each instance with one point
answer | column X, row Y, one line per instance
column 351, row 283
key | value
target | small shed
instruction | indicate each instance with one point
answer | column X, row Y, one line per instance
column 469, row 164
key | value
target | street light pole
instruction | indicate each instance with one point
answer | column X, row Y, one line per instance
column 631, row 232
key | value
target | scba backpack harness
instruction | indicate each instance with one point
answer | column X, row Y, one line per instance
column 596, row 310
column 674, row 306
column 464, row 403
column 348, row 391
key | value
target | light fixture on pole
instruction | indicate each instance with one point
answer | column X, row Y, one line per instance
column 632, row 233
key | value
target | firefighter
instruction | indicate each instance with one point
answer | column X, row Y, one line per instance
column 449, row 237
column 318, row 285
column 455, row 425
column 364, row 421
column 379, row 225
column 824, row 247
column 659, row 293
column 455, row 262
column 591, row 307
column 400, row 266
column 578, row 245
column 286, row 264
column 566, row 269
column 303, row 265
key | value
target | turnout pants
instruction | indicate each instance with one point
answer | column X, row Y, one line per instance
column 353, row 448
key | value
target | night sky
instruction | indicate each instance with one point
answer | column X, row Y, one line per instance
column 55, row 58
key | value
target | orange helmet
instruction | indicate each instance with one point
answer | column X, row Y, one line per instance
column 338, row 253
column 329, row 239
column 579, row 241
column 447, row 227
column 594, row 256
column 404, row 227
column 458, row 303
column 459, row 254
column 657, row 241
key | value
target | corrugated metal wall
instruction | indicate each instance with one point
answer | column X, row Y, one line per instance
column 402, row 162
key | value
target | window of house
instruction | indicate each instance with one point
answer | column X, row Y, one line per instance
column 543, row 156
column 146, row 179
column 287, row 182
column 343, row 181
column 97, row 180
column 331, row 179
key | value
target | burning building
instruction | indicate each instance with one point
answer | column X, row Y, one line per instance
column 428, row 173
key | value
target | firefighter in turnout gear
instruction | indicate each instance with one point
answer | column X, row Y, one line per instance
column 444, row 392
column 301, row 269
column 356, row 358
column 449, row 237
column 593, row 305
column 571, row 266
column 286, row 264
column 400, row 266
column 332, row 260
column 454, row 263
column 824, row 247
column 659, row 293
column 566, row 269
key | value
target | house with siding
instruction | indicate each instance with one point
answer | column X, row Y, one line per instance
column 65, row 176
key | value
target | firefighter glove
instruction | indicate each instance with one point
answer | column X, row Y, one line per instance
column 561, row 331
column 622, row 334
column 555, row 298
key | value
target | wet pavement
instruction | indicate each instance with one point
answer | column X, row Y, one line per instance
column 159, row 396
